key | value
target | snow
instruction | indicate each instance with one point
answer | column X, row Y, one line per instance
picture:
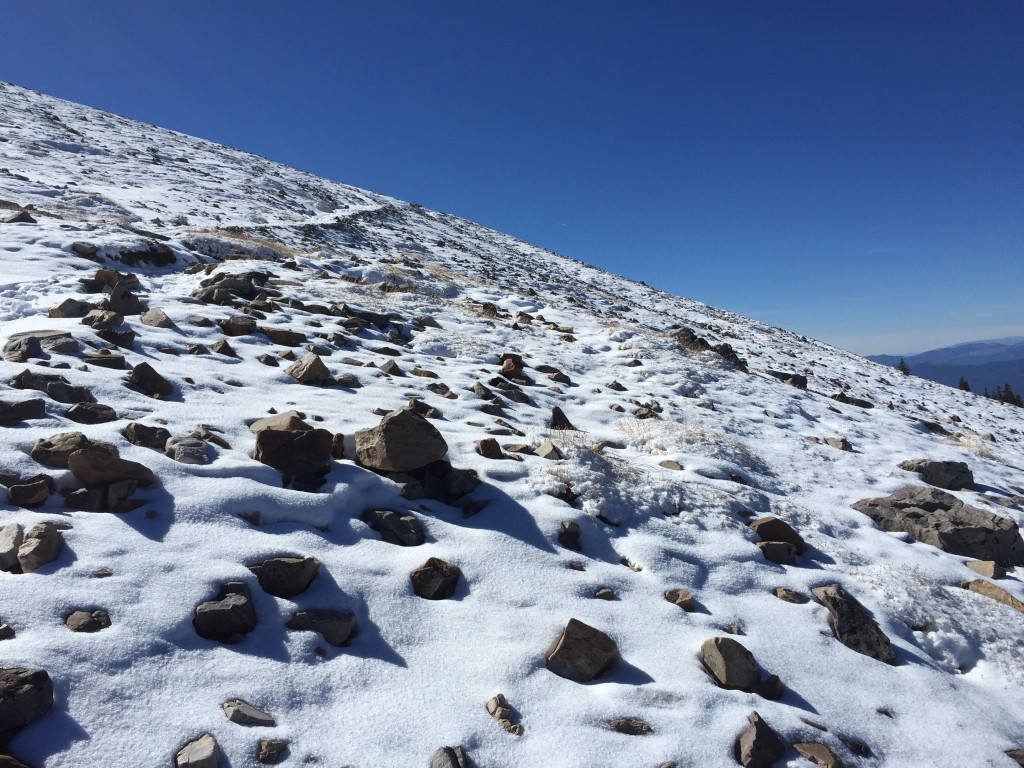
column 419, row 672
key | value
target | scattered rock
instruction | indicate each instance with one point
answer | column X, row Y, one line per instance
column 450, row 757
column 31, row 492
column 671, row 464
column 102, row 319
column 156, row 318
column 987, row 568
column 402, row 442
column 149, row 382
column 41, row 545
column 96, row 468
column 581, row 653
column 14, row 413
column 771, row 529
column 631, row 726
column 295, row 453
column 336, row 627
column 559, row 420
column 243, row 713
column 605, row 593
column 988, row 589
column 435, row 579
column 790, row 595
column 25, row 696
column 731, row 665
column 951, row 475
column 853, row 625
column 55, row 451
column 146, row 436
column 188, row 450
column 86, row 621
column 70, row 308
column 758, row 746
column 793, row 379
column 818, row 754
column 779, row 552
column 223, row 348
column 489, row 448
column 271, row 751
column 237, row 325
column 548, row 450
column 201, row 753
column 91, row 413
column 282, row 336
column 309, row 370
column 940, row 519
column 393, row 528
column 228, row 617
column 286, row 576
column 839, row 442
column 11, row 537
column 682, row 598
column 569, row 536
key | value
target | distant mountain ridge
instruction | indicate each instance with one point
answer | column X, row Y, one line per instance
column 985, row 364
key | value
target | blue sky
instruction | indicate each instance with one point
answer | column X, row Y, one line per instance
column 852, row 171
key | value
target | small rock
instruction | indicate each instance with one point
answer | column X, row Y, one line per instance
column 41, row 545
column 286, row 576
column 11, row 537
column 13, row 413
column 289, row 421
column 489, row 448
column 283, row 336
column 149, row 382
column 605, row 593
column 435, row 579
column 988, row 589
column 146, row 436
column 268, row 360
column 237, row 325
column 271, row 751
column 295, row 453
column 950, row 475
column 243, row 713
column 6, row 633
column 731, row 665
column 85, row 621
column 156, row 318
column 91, row 413
column 336, row 627
column 771, row 528
column 228, row 617
column 70, row 308
column 32, row 492
column 25, row 696
column 223, row 348
column 581, row 653
column 758, row 746
column 987, row 568
column 559, row 420
column 548, row 450
column 839, row 442
column 569, row 536
column 631, row 726
column 405, row 530
column 852, row 625
column 450, row 757
column 96, row 468
column 309, row 370
column 188, row 450
column 201, row 753
column 671, row 464
column 790, row 595
column 818, row 754
column 780, row 552
column 682, row 598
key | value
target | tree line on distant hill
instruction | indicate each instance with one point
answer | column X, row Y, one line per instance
column 1004, row 394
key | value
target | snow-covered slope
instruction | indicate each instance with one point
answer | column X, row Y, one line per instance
column 676, row 450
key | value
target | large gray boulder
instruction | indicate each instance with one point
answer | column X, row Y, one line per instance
column 852, row 624
column 403, row 441
column 582, row 652
column 730, row 664
column 942, row 520
column 25, row 695
column 95, row 469
column 951, row 475
column 295, row 452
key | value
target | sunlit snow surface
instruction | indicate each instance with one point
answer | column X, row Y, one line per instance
column 419, row 673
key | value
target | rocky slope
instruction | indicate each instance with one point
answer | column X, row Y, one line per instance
column 300, row 473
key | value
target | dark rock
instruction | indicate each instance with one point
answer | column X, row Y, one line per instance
column 731, row 665
column 405, row 530
column 489, row 448
column 25, row 696
column 55, row 451
column 86, row 621
column 107, row 498
column 268, row 360
column 22, row 348
column 237, row 325
column 97, row 468
column 402, row 442
column 295, row 452
column 271, row 751
column 146, row 436
column 569, row 536
column 21, row 217
column 951, row 475
column 91, row 413
column 223, row 348
column 435, row 579
column 149, row 382
column 559, row 420
column 31, row 492
column 282, row 336
column 123, row 301
column 14, row 413
column 155, row 254
column 682, row 598
column 11, row 537
column 228, row 617
column 242, row 712
column 631, row 726
column 771, row 528
column 790, row 595
column 793, row 379
column 845, row 399
column 758, row 746
column 105, row 359
column 336, row 627
column 102, row 319
column 124, row 339
column 780, row 552
column 309, row 370
column 41, row 545
column 450, row 757
column 582, row 652
column 286, row 576
column 852, row 625
column 391, row 368
column 940, row 519
column 156, row 318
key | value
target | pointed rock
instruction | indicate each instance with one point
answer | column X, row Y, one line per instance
column 156, row 318
column 145, row 379
column 309, row 370
column 286, row 576
column 243, row 713
column 559, row 420
column 435, row 579
column 582, row 652
column 730, row 664
column 758, row 746
column 402, row 442
column 201, row 753
column 852, row 625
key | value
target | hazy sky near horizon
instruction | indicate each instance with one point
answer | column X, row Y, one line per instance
column 851, row 171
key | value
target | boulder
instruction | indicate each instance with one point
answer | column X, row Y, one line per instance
column 91, row 413
column 951, row 475
column 402, row 442
column 286, row 576
column 149, row 382
column 282, row 336
column 771, row 528
column 11, row 536
column 41, row 545
column 31, row 492
column 852, row 624
column 146, row 436
column 95, row 468
column 14, row 413
column 87, row 621
column 309, row 370
column 405, row 530
column 289, row 421
column 242, row 712
column 336, row 627
column 731, row 665
column 435, row 579
column 201, row 753
column 581, row 653
column 25, row 696
column 156, row 318
column 940, row 519
column 70, row 308
column 237, row 325
column 228, row 617
column 54, row 451
column 295, row 452
column 758, row 746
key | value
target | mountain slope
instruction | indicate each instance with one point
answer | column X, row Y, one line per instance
column 985, row 365
column 676, row 449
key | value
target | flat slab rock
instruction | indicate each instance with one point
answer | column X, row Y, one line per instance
column 951, row 475
column 942, row 520
column 336, row 627
column 243, row 713
column 201, row 753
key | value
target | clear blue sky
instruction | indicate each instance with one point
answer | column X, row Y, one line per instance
column 853, row 171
